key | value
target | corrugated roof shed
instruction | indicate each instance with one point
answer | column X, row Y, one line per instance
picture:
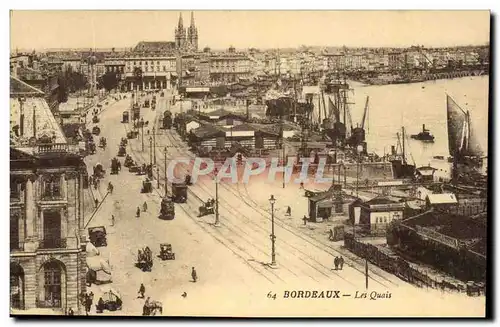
column 443, row 198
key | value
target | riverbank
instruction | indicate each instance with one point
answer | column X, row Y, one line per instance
column 387, row 79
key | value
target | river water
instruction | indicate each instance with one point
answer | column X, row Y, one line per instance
column 411, row 105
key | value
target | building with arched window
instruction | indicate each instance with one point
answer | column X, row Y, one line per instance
column 47, row 259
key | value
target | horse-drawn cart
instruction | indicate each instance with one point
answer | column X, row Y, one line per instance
column 166, row 252
column 112, row 300
column 122, row 151
column 97, row 236
column 147, row 187
column 152, row 308
column 116, row 166
column 144, row 259
column 99, row 171
column 125, row 117
column 96, row 130
column 102, row 142
column 207, row 208
column 167, row 210
column 128, row 161
column 179, row 192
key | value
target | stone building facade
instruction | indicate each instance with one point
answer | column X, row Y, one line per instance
column 47, row 242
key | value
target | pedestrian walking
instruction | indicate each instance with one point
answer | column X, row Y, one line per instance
column 145, row 207
column 138, row 212
column 336, row 263
column 142, row 290
column 88, row 305
column 110, row 188
column 71, row 312
column 194, row 275
column 96, row 202
column 305, row 220
column 331, row 238
column 112, row 220
column 100, row 306
column 288, row 211
column 301, row 185
column 341, row 262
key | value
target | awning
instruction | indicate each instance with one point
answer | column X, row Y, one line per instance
column 97, row 263
column 325, row 204
column 173, row 74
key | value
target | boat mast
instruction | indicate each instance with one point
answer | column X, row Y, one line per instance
column 403, row 144
column 319, row 108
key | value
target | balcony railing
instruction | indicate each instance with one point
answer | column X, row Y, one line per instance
column 53, row 196
column 53, row 244
column 48, row 303
column 16, row 246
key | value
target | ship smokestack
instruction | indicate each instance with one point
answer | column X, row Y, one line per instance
column 423, row 127
column 393, row 150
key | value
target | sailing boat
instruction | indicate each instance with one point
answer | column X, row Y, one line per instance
column 462, row 141
column 337, row 128
column 463, row 145
column 400, row 167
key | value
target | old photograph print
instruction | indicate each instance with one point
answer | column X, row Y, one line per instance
column 236, row 164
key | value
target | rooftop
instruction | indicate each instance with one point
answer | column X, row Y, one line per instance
column 443, row 198
column 155, row 46
column 37, row 117
column 456, row 226
column 19, row 88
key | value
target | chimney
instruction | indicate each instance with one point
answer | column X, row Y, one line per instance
column 21, row 120
column 423, row 127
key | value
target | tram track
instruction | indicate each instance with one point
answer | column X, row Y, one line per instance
column 257, row 230
column 216, row 234
column 318, row 244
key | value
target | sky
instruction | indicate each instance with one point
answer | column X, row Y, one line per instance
column 245, row 29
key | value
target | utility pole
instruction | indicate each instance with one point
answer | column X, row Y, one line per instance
column 217, row 223
column 151, row 152
column 154, row 147
column 142, row 133
column 272, row 200
column 165, row 151
column 366, row 273
column 158, row 178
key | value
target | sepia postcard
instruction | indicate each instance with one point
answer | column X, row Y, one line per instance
column 249, row 163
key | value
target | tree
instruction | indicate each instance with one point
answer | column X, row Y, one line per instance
column 109, row 81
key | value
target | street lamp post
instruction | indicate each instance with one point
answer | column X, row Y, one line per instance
column 272, row 200
column 284, row 162
column 142, row 133
column 151, row 151
column 217, row 222
column 165, row 151
column 158, row 178
column 154, row 147
column 359, row 149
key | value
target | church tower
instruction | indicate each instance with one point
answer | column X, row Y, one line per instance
column 193, row 34
column 180, row 34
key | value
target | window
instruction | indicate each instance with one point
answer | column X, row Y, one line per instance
column 15, row 190
column 52, row 285
column 376, row 220
column 157, row 62
column 152, row 63
column 164, row 68
column 14, row 231
column 52, row 186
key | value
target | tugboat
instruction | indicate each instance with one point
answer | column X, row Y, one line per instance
column 424, row 135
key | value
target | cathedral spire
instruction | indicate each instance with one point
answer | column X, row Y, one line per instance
column 181, row 25
column 192, row 19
